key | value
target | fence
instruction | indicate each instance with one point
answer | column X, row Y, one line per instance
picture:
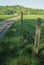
column 37, row 35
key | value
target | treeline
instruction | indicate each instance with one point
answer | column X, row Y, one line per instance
column 7, row 10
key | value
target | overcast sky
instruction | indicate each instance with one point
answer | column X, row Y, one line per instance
column 26, row 3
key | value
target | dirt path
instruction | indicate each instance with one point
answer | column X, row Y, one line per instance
column 5, row 25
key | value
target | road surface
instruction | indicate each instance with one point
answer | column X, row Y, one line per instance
column 5, row 25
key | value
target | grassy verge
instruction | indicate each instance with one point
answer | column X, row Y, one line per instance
column 4, row 17
column 16, row 47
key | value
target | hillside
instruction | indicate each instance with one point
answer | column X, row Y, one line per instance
column 7, row 10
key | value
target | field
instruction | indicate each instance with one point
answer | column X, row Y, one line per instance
column 4, row 17
column 16, row 47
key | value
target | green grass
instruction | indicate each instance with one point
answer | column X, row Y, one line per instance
column 16, row 47
column 4, row 17
column 33, row 16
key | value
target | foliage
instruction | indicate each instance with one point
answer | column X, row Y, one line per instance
column 7, row 10
column 17, row 49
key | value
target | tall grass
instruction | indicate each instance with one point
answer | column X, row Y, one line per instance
column 17, row 49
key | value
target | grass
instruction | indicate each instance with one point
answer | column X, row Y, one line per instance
column 4, row 17
column 16, row 47
column 33, row 16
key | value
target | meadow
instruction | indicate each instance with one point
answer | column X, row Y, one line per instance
column 5, row 17
column 16, row 47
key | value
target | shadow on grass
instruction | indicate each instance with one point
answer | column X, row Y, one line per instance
column 15, row 44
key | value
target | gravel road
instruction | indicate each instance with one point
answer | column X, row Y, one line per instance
column 4, row 25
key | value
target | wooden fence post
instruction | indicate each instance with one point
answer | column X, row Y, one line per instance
column 22, row 22
column 37, row 36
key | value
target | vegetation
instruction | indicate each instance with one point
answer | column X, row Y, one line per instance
column 4, row 17
column 16, row 47
column 7, row 10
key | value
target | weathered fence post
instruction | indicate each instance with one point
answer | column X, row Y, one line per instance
column 37, row 36
column 22, row 22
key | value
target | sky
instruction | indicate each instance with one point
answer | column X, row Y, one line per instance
column 26, row 3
